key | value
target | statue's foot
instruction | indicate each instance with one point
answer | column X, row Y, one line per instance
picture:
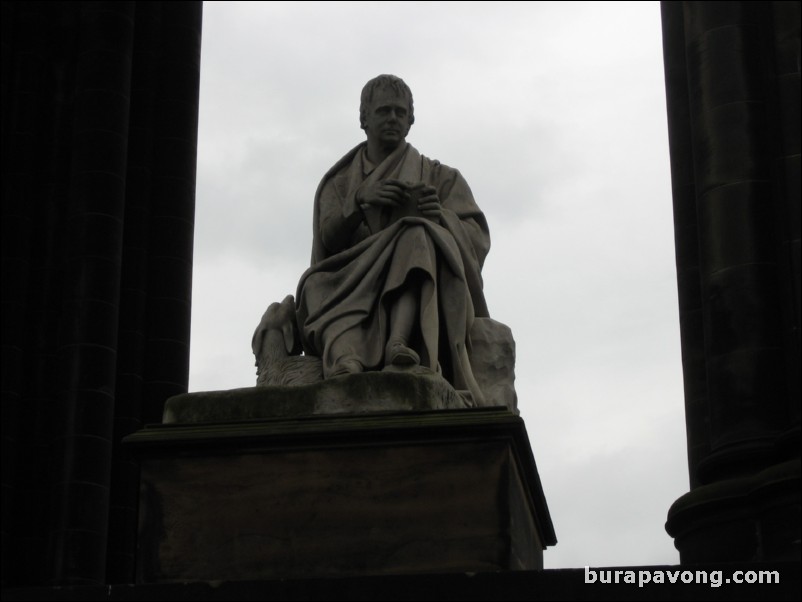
column 347, row 365
column 398, row 354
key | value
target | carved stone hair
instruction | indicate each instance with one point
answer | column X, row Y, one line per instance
column 396, row 84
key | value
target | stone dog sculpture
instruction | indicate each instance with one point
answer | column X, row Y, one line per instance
column 395, row 280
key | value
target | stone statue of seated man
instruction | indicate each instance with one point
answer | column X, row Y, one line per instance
column 395, row 280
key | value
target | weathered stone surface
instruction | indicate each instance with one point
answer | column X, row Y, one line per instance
column 275, row 345
column 340, row 496
column 493, row 362
column 355, row 393
column 733, row 517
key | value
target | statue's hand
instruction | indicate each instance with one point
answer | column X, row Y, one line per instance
column 387, row 193
column 429, row 203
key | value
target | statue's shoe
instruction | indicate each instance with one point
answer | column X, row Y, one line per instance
column 346, row 365
column 398, row 354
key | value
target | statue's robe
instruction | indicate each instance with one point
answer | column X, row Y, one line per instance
column 344, row 298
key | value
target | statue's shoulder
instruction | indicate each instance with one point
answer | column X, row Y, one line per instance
column 432, row 163
column 344, row 163
column 438, row 171
column 340, row 168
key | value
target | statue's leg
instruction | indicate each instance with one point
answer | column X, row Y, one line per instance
column 402, row 319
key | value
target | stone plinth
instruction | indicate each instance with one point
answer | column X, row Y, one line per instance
column 346, row 495
column 353, row 394
column 742, row 519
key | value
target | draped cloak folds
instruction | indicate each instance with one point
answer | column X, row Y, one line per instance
column 344, row 298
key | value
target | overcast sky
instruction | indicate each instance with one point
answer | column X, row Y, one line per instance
column 555, row 114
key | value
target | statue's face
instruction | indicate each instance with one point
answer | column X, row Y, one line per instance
column 387, row 119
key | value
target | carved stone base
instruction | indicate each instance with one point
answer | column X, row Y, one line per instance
column 436, row 491
column 411, row 390
column 754, row 518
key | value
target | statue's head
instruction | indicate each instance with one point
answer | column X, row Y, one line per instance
column 390, row 83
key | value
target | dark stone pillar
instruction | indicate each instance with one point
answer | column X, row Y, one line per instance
column 732, row 79
column 99, row 134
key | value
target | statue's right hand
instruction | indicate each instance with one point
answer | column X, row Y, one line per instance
column 386, row 193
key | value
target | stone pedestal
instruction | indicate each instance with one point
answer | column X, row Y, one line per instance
column 345, row 495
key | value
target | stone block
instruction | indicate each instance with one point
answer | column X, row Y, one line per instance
column 359, row 494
